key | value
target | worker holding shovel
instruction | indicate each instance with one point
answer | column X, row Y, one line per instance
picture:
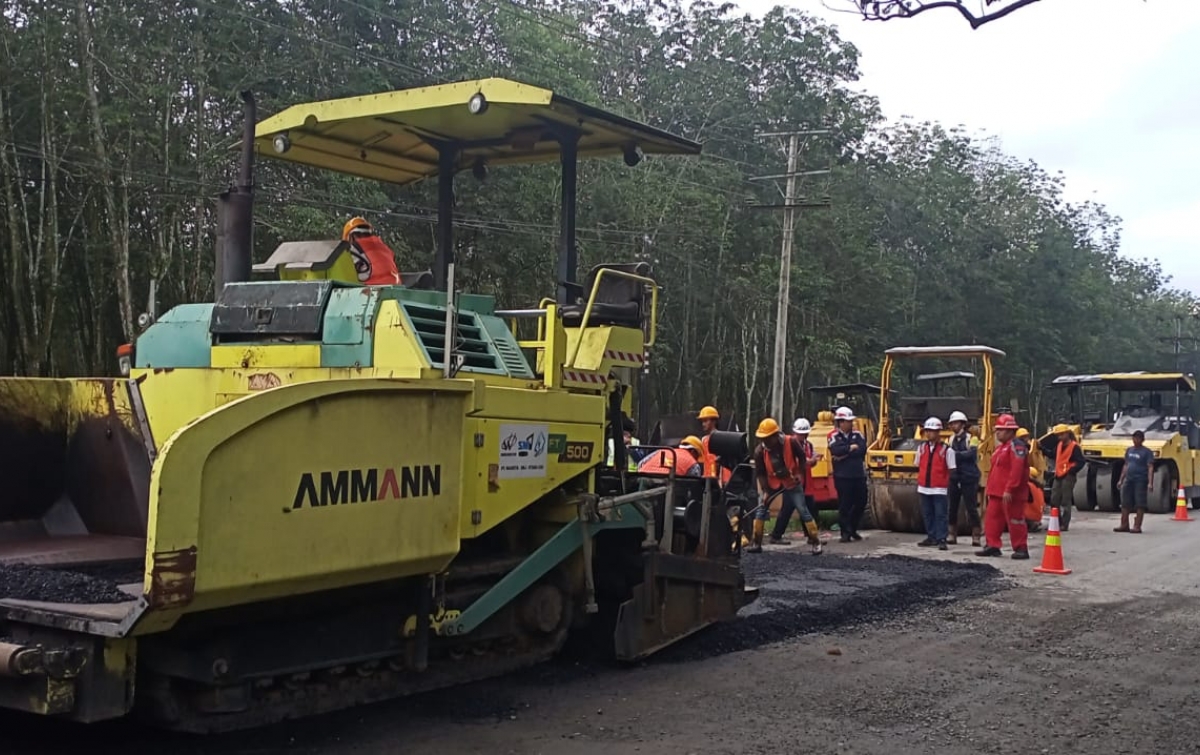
column 781, row 468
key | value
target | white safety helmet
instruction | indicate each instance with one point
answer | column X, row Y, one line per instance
column 801, row 427
column 933, row 423
column 958, row 417
column 843, row 412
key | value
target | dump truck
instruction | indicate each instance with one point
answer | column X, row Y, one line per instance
column 1106, row 409
column 311, row 493
column 891, row 457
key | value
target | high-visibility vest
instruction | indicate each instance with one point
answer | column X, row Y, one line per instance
column 1036, row 505
column 934, row 469
column 793, row 473
column 374, row 261
column 659, row 463
column 1062, row 458
column 712, row 464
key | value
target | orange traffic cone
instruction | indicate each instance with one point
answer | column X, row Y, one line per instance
column 1052, row 558
column 1181, row 507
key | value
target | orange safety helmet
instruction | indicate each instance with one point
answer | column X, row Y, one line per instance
column 353, row 224
column 767, row 428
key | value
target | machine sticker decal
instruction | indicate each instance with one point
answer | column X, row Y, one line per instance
column 557, row 444
column 523, row 451
column 367, row 485
column 576, row 452
column 263, row 381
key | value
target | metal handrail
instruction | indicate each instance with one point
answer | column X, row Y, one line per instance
column 668, row 535
column 587, row 310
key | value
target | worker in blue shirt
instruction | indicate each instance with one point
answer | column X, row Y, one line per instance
column 848, row 452
column 1136, row 483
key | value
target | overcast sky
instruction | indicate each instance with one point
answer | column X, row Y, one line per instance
column 1110, row 95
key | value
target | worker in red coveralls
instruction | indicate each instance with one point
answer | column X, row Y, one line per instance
column 1007, row 488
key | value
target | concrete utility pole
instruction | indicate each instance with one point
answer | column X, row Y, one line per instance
column 791, row 203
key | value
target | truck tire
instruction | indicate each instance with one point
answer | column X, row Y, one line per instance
column 1161, row 500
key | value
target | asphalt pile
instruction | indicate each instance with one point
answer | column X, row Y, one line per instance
column 800, row 594
column 26, row 582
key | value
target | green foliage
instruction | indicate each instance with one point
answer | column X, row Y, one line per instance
column 932, row 236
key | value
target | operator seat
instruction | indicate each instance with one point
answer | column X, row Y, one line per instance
column 421, row 281
column 619, row 301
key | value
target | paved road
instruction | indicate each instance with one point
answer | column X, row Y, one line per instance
column 1106, row 660
column 1106, row 565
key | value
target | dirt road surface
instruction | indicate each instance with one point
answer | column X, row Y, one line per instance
column 877, row 647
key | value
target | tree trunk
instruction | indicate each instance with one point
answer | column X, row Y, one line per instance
column 116, row 223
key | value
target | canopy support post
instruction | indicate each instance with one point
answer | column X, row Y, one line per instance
column 567, row 252
column 447, row 162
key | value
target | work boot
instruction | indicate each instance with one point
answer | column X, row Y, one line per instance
column 777, row 540
column 942, row 545
column 855, row 536
column 927, row 542
column 1124, row 526
column 756, row 540
column 952, row 535
column 1020, row 554
column 816, row 547
column 975, row 533
column 989, row 552
column 811, row 529
column 1137, row 522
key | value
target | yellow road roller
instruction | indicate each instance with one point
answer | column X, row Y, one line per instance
column 1106, row 409
column 312, row 493
column 891, row 457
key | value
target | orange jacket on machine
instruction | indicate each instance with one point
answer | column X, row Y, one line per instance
column 660, row 462
column 373, row 260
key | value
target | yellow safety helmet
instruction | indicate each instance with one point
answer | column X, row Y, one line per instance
column 693, row 443
column 1022, row 432
column 767, row 428
column 708, row 412
column 352, row 224
column 1035, row 473
column 1061, row 428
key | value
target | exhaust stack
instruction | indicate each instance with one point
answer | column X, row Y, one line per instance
column 235, row 211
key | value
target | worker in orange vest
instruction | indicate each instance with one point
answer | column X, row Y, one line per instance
column 709, row 416
column 801, row 429
column 1007, row 489
column 1035, row 508
column 685, row 460
column 1068, row 463
column 781, row 468
column 373, row 260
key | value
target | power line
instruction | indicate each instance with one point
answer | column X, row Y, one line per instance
column 791, row 203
